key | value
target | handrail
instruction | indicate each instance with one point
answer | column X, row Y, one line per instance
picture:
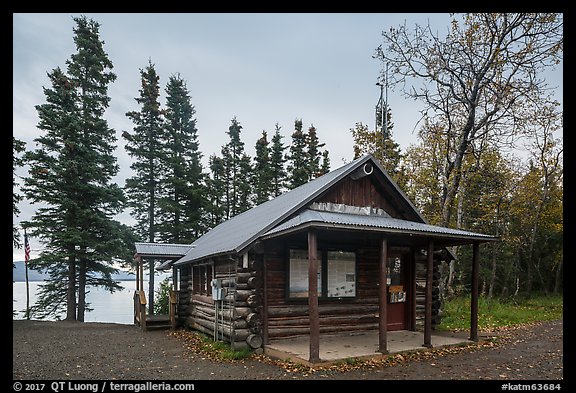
column 140, row 309
column 173, row 301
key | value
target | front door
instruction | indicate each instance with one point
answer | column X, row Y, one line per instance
column 397, row 284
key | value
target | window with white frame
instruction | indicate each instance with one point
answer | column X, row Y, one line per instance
column 299, row 274
column 336, row 274
column 341, row 274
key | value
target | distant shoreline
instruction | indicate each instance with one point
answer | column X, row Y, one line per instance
column 19, row 274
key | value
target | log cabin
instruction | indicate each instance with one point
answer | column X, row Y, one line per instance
column 345, row 252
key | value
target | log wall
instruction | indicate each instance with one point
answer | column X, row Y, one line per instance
column 237, row 318
column 245, row 321
column 288, row 318
column 420, row 260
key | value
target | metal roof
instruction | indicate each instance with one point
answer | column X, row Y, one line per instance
column 240, row 231
column 237, row 233
column 160, row 250
column 370, row 222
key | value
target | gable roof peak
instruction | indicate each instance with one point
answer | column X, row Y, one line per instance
column 237, row 233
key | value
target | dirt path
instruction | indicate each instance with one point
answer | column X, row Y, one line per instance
column 103, row 351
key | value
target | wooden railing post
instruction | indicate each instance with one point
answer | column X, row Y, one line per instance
column 136, row 308
column 173, row 296
column 142, row 313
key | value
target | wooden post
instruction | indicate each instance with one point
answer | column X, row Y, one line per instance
column 412, row 286
column 136, row 308
column 474, row 299
column 137, row 260
column 313, row 297
column 141, row 274
column 383, row 318
column 173, row 300
column 142, row 299
column 428, row 307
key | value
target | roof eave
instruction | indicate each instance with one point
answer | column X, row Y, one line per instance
column 319, row 224
column 204, row 257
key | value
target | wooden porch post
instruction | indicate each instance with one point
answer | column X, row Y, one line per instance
column 412, row 290
column 141, row 274
column 428, row 306
column 474, row 299
column 313, row 297
column 137, row 259
column 383, row 318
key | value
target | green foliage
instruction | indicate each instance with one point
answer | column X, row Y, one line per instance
column 385, row 149
column 71, row 174
column 305, row 159
column 298, row 157
column 263, row 174
column 17, row 147
column 314, row 153
column 237, row 173
column 277, row 160
column 182, row 193
column 146, row 145
column 495, row 313
column 216, row 190
column 422, row 169
column 162, row 296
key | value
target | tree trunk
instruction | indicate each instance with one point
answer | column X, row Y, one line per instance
column 151, row 228
column 493, row 273
column 529, row 275
column 517, row 278
column 453, row 174
column 449, row 290
column 543, row 283
column 558, row 280
column 81, row 290
column 151, row 289
column 71, row 293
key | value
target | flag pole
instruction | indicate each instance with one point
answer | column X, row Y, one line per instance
column 26, row 258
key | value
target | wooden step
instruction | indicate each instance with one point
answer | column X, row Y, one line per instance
column 154, row 322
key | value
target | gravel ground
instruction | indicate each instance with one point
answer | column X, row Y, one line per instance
column 62, row 350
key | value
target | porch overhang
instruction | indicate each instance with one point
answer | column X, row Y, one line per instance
column 168, row 253
column 419, row 233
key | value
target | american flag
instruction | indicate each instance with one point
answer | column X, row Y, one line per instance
column 26, row 248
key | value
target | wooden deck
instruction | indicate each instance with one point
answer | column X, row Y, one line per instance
column 152, row 322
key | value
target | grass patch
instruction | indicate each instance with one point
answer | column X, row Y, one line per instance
column 215, row 350
column 221, row 349
column 494, row 313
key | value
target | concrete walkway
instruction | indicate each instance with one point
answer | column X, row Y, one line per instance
column 334, row 347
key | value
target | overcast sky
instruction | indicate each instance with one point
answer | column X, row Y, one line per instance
column 262, row 68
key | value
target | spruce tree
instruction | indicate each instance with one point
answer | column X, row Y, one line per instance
column 314, row 153
column 182, row 186
column 70, row 174
column 236, row 199
column 277, row 160
column 146, row 144
column 298, row 172
column 325, row 168
column 245, row 193
column 216, row 192
column 263, row 181
column 17, row 148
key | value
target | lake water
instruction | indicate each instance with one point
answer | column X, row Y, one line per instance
column 117, row 307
